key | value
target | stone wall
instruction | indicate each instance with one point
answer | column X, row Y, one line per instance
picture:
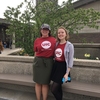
column 85, row 38
column 87, row 71
column 87, row 35
column 83, row 70
column 94, row 5
column 87, row 48
column 16, row 65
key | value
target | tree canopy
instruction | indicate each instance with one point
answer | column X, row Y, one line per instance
column 26, row 25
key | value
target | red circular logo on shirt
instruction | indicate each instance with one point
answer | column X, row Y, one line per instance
column 58, row 52
column 46, row 44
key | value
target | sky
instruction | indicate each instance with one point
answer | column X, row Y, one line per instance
column 14, row 3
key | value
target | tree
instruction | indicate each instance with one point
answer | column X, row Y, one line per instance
column 26, row 25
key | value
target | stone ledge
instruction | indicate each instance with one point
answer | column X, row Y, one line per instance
column 28, row 59
column 87, row 63
column 73, row 87
column 17, row 79
column 83, row 70
column 86, row 45
column 82, row 88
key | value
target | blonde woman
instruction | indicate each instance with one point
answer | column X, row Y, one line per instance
column 64, row 54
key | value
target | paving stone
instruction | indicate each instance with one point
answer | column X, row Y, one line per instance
column 3, row 99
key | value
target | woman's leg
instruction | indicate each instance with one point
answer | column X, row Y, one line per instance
column 45, row 89
column 56, row 90
column 38, row 90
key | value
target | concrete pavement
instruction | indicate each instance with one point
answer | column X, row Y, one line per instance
column 8, row 51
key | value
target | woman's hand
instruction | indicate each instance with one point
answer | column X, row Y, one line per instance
column 66, row 76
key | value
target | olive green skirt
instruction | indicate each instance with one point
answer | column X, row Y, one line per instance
column 42, row 68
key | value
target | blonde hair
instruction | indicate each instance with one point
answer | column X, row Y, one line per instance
column 66, row 31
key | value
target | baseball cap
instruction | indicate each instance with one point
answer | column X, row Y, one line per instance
column 45, row 26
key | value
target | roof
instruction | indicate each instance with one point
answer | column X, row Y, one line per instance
column 4, row 22
column 80, row 3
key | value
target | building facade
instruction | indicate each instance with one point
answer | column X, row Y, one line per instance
column 86, row 4
column 3, row 36
column 87, row 35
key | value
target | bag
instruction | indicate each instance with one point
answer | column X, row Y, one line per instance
column 69, row 79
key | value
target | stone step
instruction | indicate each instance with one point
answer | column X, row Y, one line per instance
column 8, row 94
column 24, row 83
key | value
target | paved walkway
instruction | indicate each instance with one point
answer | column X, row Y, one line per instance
column 8, row 51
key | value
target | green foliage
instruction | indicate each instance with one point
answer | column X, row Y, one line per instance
column 26, row 25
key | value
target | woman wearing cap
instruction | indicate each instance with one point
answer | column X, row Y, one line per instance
column 42, row 65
